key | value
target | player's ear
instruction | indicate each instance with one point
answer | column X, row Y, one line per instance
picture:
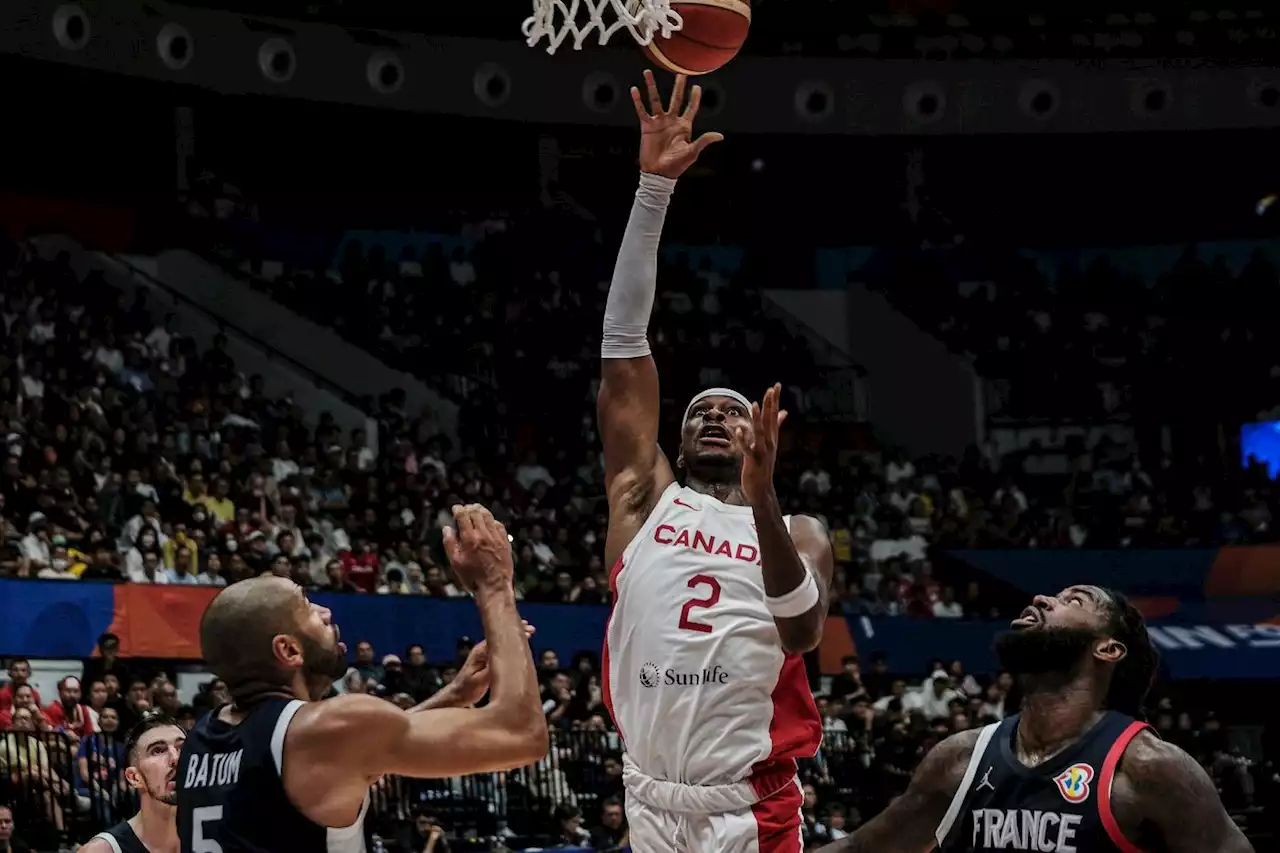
column 1110, row 650
column 287, row 650
column 680, row 459
column 134, row 778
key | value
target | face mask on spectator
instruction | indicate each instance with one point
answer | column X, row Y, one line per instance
column 60, row 564
column 198, row 517
column 232, row 545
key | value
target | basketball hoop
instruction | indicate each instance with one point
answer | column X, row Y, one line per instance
column 558, row 19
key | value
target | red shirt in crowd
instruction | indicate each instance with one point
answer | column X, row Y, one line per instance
column 6, row 696
column 361, row 569
column 80, row 723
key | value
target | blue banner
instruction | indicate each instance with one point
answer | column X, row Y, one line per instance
column 1223, row 639
column 393, row 622
column 1189, row 650
column 51, row 619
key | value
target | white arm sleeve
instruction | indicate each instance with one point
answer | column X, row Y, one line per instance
column 635, row 276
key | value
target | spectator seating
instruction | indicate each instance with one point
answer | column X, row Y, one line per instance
column 1094, row 334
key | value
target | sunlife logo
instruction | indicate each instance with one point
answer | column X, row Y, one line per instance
column 652, row 676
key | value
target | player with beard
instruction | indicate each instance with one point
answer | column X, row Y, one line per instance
column 151, row 756
column 1076, row 770
column 278, row 771
column 717, row 592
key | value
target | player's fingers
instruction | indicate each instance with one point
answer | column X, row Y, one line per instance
column 463, row 520
column 529, row 628
column 655, row 99
column 497, row 530
column 782, row 418
column 706, row 139
column 638, row 101
column 677, row 94
column 450, row 543
column 695, row 101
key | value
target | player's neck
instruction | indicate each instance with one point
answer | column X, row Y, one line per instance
column 726, row 493
column 239, row 709
column 1055, row 711
column 156, row 825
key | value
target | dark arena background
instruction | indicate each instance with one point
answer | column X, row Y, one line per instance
column 283, row 281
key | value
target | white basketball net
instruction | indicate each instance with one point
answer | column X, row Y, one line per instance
column 559, row 19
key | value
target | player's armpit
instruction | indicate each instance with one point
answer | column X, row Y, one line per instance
column 908, row 824
column 95, row 845
column 1162, row 787
column 378, row 738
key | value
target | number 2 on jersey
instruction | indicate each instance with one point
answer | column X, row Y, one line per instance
column 688, row 624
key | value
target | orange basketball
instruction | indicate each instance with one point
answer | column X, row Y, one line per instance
column 713, row 33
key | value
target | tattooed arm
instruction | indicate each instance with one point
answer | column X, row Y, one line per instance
column 1161, row 791
column 909, row 822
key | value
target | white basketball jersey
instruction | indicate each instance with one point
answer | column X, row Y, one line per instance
column 695, row 675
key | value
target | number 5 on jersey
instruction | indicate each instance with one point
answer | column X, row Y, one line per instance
column 687, row 622
column 199, row 818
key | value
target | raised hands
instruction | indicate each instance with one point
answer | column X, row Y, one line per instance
column 478, row 548
column 667, row 146
column 760, row 449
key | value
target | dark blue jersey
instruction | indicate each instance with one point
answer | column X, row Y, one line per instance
column 122, row 839
column 231, row 796
column 1060, row 806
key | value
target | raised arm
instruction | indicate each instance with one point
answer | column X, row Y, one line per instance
column 798, row 563
column 910, row 822
column 371, row 737
column 636, row 471
column 1162, row 790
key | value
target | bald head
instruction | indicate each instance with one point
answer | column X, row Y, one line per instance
column 239, row 628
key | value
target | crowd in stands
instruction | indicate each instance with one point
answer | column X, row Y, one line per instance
column 132, row 456
column 1093, row 335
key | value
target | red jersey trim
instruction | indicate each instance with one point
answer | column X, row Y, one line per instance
column 608, row 694
column 1112, row 761
column 795, row 729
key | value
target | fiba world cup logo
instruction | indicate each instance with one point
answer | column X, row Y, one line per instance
column 649, row 674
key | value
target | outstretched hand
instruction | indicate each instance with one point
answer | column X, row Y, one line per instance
column 667, row 146
column 760, row 450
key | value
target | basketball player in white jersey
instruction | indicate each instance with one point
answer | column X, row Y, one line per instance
column 151, row 762
column 717, row 592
